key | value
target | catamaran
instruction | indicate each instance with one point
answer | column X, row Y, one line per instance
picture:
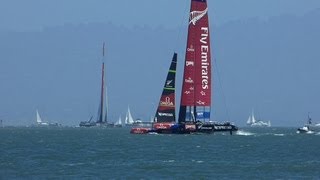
column 102, row 119
column 195, row 103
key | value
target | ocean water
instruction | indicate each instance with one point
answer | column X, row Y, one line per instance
column 114, row 153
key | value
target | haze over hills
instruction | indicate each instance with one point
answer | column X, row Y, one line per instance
column 271, row 65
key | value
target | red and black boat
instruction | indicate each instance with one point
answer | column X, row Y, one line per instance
column 195, row 103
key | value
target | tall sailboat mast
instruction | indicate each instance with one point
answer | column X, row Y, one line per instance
column 105, row 86
column 196, row 87
column 102, row 117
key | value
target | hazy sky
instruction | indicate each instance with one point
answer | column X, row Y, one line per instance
column 21, row 15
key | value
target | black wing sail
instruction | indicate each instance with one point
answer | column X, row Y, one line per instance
column 166, row 108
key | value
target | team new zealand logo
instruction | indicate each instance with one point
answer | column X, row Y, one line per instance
column 168, row 83
column 197, row 15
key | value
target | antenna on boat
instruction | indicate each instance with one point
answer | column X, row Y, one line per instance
column 309, row 118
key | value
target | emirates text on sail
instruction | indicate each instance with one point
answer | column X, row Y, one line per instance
column 204, row 57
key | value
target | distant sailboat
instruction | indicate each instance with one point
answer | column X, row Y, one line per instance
column 119, row 122
column 43, row 124
column 129, row 119
column 39, row 120
column 102, row 119
column 257, row 123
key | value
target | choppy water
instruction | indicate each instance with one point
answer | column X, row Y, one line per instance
column 73, row 153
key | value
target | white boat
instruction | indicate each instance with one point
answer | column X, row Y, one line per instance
column 39, row 120
column 40, row 123
column 306, row 128
column 119, row 122
column 253, row 122
column 129, row 119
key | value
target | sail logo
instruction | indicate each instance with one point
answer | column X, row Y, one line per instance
column 189, row 63
column 168, row 102
column 189, row 80
column 190, row 49
column 200, row 102
column 195, row 16
column 204, row 57
column 168, row 82
column 165, row 114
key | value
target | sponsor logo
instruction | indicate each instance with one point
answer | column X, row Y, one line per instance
column 189, row 80
column 204, row 57
column 191, row 88
column 191, row 49
column 203, row 127
column 203, row 93
column 163, row 125
column 195, row 16
column 168, row 82
column 190, row 127
column 187, row 92
column 189, row 63
column 165, row 114
column 168, row 102
column 200, row 102
column 199, row 114
column 222, row 127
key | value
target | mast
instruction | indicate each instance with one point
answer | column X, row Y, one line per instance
column 196, row 87
column 105, row 87
column 102, row 116
column 166, row 108
column 38, row 118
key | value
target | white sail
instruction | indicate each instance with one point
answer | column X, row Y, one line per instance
column 257, row 123
column 129, row 119
column 119, row 122
column 253, row 119
column 249, row 120
column 39, row 121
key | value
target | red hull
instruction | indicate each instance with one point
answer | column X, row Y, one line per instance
column 140, row 130
column 162, row 126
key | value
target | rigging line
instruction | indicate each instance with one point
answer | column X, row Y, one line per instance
column 220, row 84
